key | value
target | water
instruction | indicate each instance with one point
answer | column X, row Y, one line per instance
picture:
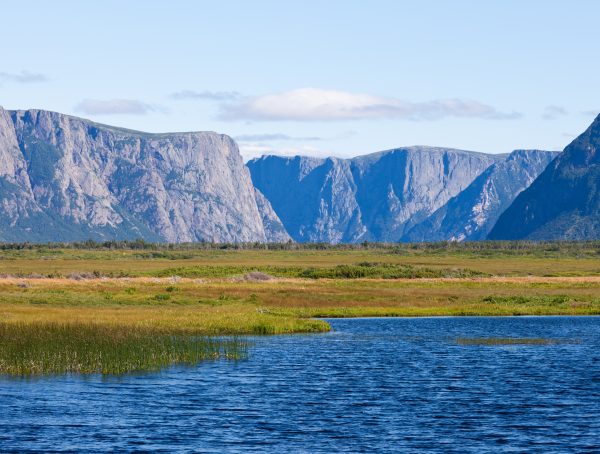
column 385, row 385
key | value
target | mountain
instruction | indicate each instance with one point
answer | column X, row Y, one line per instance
column 377, row 197
column 472, row 213
column 563, row 203
column 314, row 198
column 64, row 178
column 274, row 230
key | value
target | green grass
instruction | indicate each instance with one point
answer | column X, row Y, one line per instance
column 361, row 270
column 219, row 261
column 88, row 348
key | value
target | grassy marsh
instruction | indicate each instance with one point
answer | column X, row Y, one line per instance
column 198, row 291
column 88, row 348
column 205, row 260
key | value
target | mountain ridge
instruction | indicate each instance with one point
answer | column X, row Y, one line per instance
column 563, row 203
column 65, row 178
column 470, row 215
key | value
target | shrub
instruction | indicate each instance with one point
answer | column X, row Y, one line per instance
column 255, row 276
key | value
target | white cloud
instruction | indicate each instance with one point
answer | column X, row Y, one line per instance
column 313, row 104
column 208, row 95
column 114, row 107
column 273, row 137
column 24, row 77
column 256, row 150
column 592, row 113
column 553, row 112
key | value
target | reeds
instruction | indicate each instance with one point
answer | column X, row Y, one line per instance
column 490, row 341
column 87, row 348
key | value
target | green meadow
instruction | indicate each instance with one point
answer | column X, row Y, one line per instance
column 122, row 307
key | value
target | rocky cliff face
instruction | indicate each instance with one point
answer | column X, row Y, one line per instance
column 64, row 178
column 314, row 198
column 564, row 201
column 275, row 232
column 377, row 197
column 473, row 212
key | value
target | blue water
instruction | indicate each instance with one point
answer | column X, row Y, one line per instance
column 384, row 385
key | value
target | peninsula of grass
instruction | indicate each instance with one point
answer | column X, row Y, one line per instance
column 174, row 298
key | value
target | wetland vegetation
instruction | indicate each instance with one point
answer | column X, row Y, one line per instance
column 117, row 307
column 75, row 347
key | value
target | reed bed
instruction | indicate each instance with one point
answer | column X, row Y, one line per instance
column 88, row 348
column 507, row 341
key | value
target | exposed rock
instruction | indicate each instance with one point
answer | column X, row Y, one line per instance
column 274, row 229
column 473, row 212
column 64, row 178
column 376, row 197
column 314, row 198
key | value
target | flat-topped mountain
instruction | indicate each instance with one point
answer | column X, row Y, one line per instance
column 406, row 194
column 563, row 203
column 377, row 197
column 64, row 178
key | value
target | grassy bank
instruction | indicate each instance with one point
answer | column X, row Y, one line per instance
column 278, row 306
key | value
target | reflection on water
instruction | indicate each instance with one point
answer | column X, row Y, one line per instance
column 383, row 385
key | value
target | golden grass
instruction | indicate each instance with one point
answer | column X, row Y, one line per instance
column 226, row 306
column 69, row 310
column 518, row 285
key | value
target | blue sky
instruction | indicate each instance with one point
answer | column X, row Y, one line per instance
column 321, row 78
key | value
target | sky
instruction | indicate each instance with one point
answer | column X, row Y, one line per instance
column 319, row 78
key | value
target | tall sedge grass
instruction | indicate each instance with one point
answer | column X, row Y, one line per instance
column 88, row 348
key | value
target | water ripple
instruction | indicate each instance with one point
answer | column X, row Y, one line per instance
column 383, row 385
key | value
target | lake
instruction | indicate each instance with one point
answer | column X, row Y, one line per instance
column 384, row 385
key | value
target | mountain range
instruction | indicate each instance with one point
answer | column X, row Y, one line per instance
column 64, row 178
column 406, row 194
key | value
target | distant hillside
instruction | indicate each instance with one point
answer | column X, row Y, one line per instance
column 564, row 201
column 376, row 197
column 64, row 178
